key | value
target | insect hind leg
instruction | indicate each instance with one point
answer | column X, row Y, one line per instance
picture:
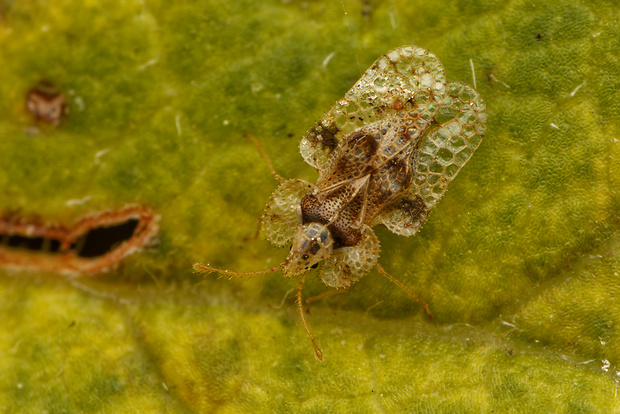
column 405, row 288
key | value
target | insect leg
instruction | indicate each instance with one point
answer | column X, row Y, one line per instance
column 266, row 157
column 405, row 288
column 255, row 236
column 327, row 294
column 317, row 350
column 283, row 299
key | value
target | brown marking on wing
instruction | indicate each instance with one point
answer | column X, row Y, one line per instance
column 415, row 208
column 324, row 135
column 414, row 212
column 388, row 185
column 353, row 158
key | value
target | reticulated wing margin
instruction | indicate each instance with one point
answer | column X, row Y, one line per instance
column 446, row 146
column 282, row 214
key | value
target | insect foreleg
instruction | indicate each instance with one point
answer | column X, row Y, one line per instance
column 327, row 294
column 256, row 233
column 266, row 157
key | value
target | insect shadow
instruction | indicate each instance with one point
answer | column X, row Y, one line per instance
column 385, row 155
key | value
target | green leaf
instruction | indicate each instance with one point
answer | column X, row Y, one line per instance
column 519, row 262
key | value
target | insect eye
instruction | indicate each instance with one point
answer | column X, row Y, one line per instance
column 305, row 256
column 314, row 249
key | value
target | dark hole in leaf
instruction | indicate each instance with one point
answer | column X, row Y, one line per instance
column 95, row 243
column 25, row 242
column 54, row 245
column 102, row 240
column 30, row 243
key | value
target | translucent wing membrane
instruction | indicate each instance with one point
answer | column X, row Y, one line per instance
column 461, row 123
column 405, row 78
column 282, row 213
column 404, row 217
column 447, row 145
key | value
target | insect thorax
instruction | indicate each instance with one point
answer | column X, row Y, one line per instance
column 369, row 169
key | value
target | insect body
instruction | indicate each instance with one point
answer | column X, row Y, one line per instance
column 385, row 154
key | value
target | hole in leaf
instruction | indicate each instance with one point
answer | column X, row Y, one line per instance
column 93, row 244
column 102, row 240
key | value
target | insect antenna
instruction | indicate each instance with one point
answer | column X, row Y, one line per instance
column 300, row 307
column 208, row 269
column 405, row 288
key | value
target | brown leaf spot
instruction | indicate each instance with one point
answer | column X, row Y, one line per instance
column 46, row 103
